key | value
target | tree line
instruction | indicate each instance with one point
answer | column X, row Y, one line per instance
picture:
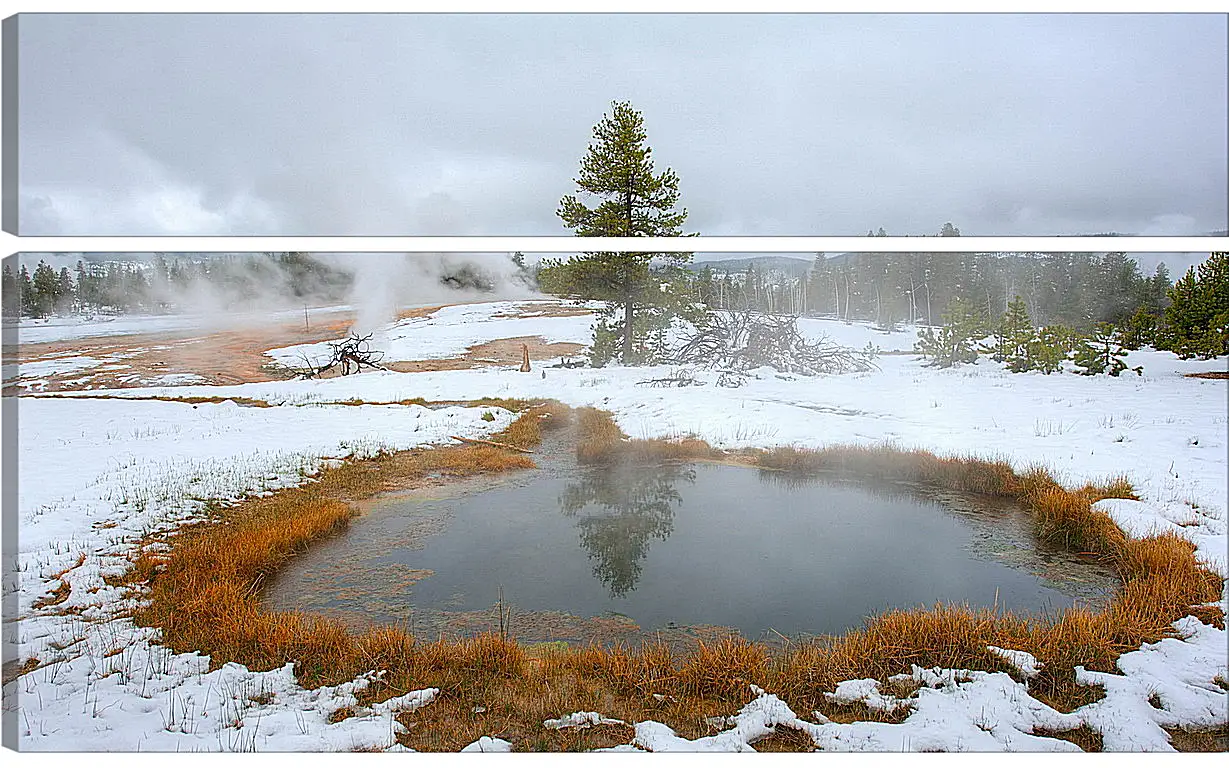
column 1075, row 289
column 124, row 286
column 1193, row 322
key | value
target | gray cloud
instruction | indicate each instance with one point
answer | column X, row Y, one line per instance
column 475, row 125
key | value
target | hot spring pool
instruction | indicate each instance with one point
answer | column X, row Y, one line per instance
column 599, row 553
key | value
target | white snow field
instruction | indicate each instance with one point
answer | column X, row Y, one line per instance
column 96, row 474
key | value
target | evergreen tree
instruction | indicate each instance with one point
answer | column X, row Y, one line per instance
column 1012, row 333
column 523, row 274
column 705, row 288
column 25, row 290
column 84, row 295
column 1197, row 318
column 819, row 287
column 1140, row 329
column 44, row 287
column 65, row 295
column 136, row 290
column 1050, row 348
column 956, row 341
column 1156, row 295
column 634, row 202
column 10, row 297
column 1102, row 352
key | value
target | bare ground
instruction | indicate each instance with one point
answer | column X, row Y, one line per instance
column 237, row 356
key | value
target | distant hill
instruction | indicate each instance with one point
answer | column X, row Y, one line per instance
column 790, row 265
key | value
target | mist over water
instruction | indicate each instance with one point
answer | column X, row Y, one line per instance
column 383, row 283
column 683, row 545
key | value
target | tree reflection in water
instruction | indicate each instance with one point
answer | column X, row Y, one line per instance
column 621, row 510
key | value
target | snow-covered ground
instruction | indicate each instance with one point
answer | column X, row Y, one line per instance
column 95, row 473
column 94, row 477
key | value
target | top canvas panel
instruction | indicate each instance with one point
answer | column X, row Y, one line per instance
column 298, row 124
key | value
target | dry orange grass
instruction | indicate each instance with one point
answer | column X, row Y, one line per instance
column 62, row 590
column 598, row 437
column 1161, row 580
column 192, row 400
column 204, row 594
column 204, row 597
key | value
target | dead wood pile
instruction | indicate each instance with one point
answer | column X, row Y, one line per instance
column 352, row 354
column 740, row 341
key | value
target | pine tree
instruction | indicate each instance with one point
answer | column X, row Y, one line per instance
column 65, row 297
column 634, row 202
column 1050, row 348
column 10, row 297
column 956, row 340
column 1102, row 352
column 1157, row 293
column 523, row 274
column 25, row 289
column 1197, row 318
column 84, row 287
column 44, row 287
column 1140, row 329
column 1012, row 333
column 705, row 288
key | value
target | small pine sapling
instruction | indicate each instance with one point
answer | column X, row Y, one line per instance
column 1012, row 333
column 956, row 340
column 1050, row 347
column 1102, row 352
column 1140, row 329
column 998, row 346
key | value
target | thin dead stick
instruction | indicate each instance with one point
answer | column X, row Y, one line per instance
column 489, row 442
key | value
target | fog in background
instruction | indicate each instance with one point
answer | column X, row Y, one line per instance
column 475, row 124
column 241, row 287
column 376, row 286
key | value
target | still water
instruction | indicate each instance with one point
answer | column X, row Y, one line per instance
column 677, row 546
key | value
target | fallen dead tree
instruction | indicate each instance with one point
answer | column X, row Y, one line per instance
column 352, row 354
column 477, row 441
column 677, row 378
column 741, row 341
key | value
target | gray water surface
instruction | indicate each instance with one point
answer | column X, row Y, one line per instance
column 678, row 545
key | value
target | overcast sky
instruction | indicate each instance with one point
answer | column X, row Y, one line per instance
column 475, row 125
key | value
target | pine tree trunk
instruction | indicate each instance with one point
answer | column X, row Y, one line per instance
column 627, row 331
